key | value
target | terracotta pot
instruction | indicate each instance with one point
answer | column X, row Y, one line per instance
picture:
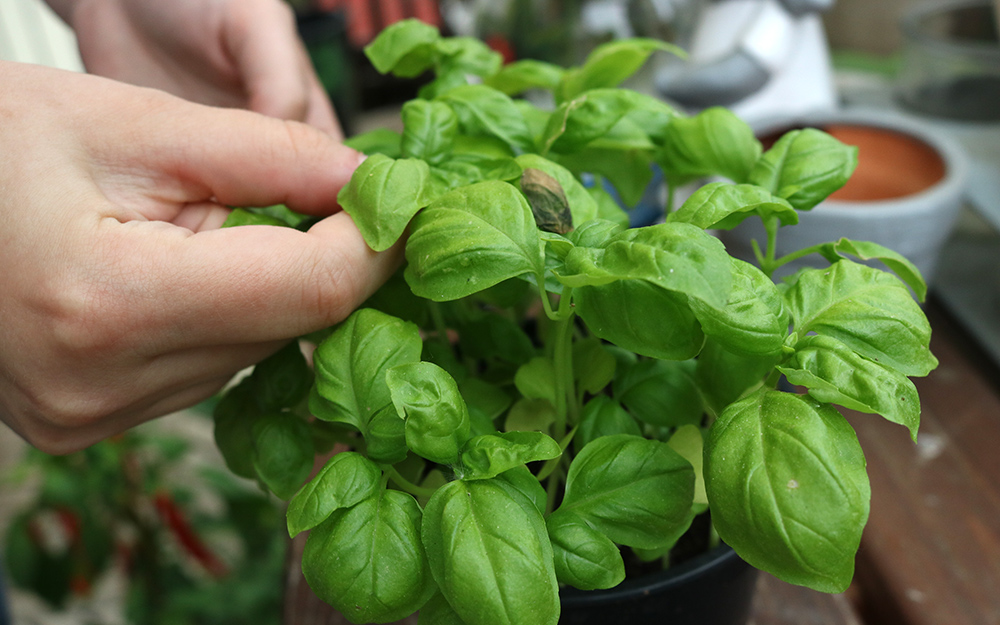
column 716, row 587
column 905, row 193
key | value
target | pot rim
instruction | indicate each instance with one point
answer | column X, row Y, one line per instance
column 941, row 193
column 684, row 572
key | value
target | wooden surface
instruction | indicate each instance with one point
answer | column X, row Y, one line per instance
column 931, row 551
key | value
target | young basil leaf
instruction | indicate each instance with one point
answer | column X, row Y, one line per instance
column 282, row 379
column 530, row 415
column 723, row 377
column 804, row 167
column 244, row 217
column 595, row 233
column 836, row 374
column 661, row 392
column 347, row 479
column 437, row 611
column 633, row 490
column 641, row 317
column 724, row 206
column 581, row 204
column 489, row 455
column 519, row 76
column 593, row 365
column 593, row 114
column 689, row 443
column 866, row 250
column 609, row 64
column 676, row 257
column 467, row 55
column 405, row 48
column 377, row 141
column 536, row 379
column 437, row 419
column 429, row 131
column 788, row 489
column 283, row 452
column 584, row 558
column 234, row 417
column 368, row 561
column 868, row 310
column 385, row 437
column 482, row 110
column 382, row 197
column 603, row 416
column 486, row 402
column 714, row 142
column 350, row 365
column 754, row 321
column 471, row 239
column 490, row 554
column 547, row 200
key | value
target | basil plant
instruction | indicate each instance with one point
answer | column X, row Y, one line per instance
column 544, row 392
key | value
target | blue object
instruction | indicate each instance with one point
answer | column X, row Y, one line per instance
column 4, row 614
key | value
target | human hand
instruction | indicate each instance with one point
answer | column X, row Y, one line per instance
column 120, row 299
column 232, row 53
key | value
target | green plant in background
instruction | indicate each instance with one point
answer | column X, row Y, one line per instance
column 114, row 505
column 543, row 390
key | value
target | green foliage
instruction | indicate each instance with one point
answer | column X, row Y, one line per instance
column 544, row 389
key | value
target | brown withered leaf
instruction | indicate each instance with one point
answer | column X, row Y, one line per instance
column 547, row 200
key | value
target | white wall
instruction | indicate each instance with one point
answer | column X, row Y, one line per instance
column 31, row 33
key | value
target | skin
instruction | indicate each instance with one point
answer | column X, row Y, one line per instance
column 121, row 298
column 231, row 53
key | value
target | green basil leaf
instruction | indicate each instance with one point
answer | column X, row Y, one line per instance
column 383, row 195
column 525, row 74
column 282, row 379
column 283, row 452
column 633, row 490
column 536, row 379
column 385, row 437
column 593, row 366
column 724, row 377
column 437, row 419
column 754, row 321
column 234, row 417
column 345, row 480
column 595, row 233
column 628, row 170
column 244, row 217
column 581, row 204
column 661, row 392
column 866, row 250
column 713, row 142
column 467, row 55
column 788, row 489
column 836, row 374
column 689, row 443
column 593, row 114
column 437, row 611
column 676, row 257
column 471, row 239
column 489, row 455
column 486, row 402
column 609, row 64
column 522, row 480
column 490, row 554
column 603, row 416
column 482, row 110
column 584, row 558
column 530, row 415
column 804, row 167
column 377, row 141
column 641, row 317
column 350, row 365
column 495, row 337
column 724, row 206
column 429, row 131
column 868, row 310
column 368, row 561
column 405, row 48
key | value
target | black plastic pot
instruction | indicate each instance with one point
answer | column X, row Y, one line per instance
column 715, row 588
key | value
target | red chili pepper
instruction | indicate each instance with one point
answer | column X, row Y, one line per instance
column 174, row 517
